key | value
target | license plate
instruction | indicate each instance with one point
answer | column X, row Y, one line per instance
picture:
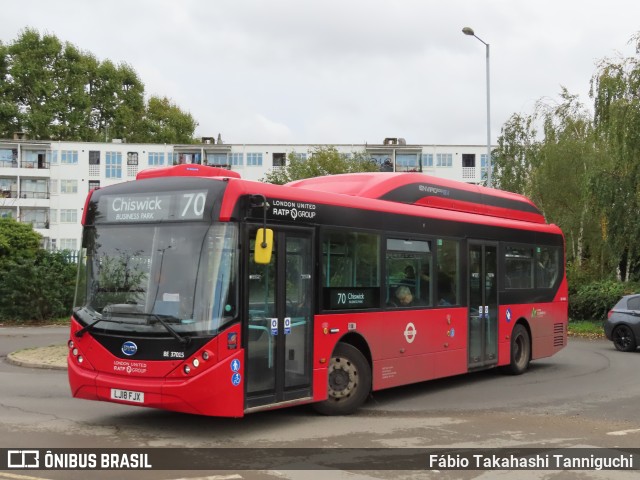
column 127, row 395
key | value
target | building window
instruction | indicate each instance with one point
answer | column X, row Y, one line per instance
column 406, row 162
column 114, row 165
column 68, row 186
column 34, row 188
column 173, row 158
column 8, row 157
column 68, row 216
column 483, row 166
column 68, row 244
column 468, row 160
column 132, row 158
column 37, row 218
column 279, row 159
column 156, row 158
column 427, row 160
column 69, row 157
column 444, row 160
column 53, row 186
column 254, row 159
column 236, row 159
column 52, row 156
column 217, row 159
column 94, row 157
column 93, row 184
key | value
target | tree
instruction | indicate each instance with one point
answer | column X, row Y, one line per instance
column 614, row 89
column 164, row 122
column 52, row 90
column 565, row 161
column 37, row 288
column 514, row 158
column 321, row 161
column 17, row 240
column 554, row 169
column 34, row 284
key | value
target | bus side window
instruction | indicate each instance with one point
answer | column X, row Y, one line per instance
column 448, row 266
column 547, row 266
column 351, row 260
column 408, row 265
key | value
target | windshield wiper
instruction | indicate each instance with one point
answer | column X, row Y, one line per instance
column 163, row 322
column 90, row 326
column 170, row 329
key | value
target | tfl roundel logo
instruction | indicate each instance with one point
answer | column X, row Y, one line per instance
column 129, row 348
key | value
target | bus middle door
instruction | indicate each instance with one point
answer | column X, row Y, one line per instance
column 280, row 314
column 483, row 305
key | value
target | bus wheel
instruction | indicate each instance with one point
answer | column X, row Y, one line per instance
column 520, row 350
column 349, row 382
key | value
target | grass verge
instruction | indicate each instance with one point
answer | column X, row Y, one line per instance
column 586, row 328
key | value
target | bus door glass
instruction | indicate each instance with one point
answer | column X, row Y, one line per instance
column 279, row 326
column 483, row 306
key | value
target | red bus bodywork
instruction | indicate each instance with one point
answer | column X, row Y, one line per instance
column 435, row 346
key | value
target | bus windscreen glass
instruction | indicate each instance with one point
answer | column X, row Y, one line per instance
column 155, row 276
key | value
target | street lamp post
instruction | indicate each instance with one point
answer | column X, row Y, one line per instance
column 469, row 31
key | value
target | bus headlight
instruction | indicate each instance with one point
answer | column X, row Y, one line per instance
column 196, row 363
column 187, row 369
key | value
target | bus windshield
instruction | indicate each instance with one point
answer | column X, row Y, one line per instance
column 158, row 279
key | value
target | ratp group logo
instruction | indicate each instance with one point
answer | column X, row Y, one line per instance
column 23, row 459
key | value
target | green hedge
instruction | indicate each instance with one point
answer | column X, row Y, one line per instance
column 39, row 288
column 592, row 301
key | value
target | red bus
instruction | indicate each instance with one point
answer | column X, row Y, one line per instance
column 204, row 293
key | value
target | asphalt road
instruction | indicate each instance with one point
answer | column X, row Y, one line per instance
column 586, row 396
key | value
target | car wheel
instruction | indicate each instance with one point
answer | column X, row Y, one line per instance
column 624, row 339
column 349, row 379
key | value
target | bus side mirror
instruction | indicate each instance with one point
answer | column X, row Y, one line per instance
column 263, row 246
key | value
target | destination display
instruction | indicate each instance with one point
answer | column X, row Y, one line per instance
column 153, row 207
column 353, row 298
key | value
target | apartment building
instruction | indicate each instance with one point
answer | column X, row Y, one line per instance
column 45, row 183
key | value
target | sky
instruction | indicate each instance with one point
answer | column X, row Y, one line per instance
column 345, row 71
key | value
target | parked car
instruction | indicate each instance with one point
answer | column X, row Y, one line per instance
column 623, row 323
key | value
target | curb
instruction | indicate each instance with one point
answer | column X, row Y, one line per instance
column 49, row 361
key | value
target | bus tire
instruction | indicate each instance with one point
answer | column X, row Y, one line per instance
column 520, row 350
column 349, row 379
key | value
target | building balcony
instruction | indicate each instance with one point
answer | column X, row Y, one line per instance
column 30, row 194
column 38, row 165
column 8, row 164
column 9, row 193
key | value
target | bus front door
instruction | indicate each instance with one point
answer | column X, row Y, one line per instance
column 279, row 321
column 483, row 306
